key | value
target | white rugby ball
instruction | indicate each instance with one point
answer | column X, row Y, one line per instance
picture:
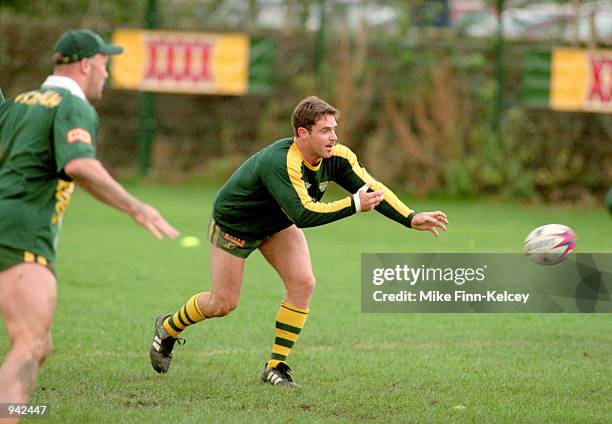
column 549, row 244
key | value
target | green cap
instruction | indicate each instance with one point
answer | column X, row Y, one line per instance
column 78, row 44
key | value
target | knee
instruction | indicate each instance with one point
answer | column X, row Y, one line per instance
column 43, row 350
column 35, row 348
column 304, row 287
column 309, row 285
column 223, row 307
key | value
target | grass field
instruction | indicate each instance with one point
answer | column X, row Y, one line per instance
column 353, row 367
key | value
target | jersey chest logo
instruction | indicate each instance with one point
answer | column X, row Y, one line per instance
column 322, row 185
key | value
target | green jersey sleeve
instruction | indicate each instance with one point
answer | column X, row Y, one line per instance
column 351, row 176
column 74, row 131
column 281, row 173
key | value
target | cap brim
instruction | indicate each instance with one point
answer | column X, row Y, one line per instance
column 110, row 49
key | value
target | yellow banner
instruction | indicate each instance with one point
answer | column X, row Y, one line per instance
column 181, row 62
column 581, row 80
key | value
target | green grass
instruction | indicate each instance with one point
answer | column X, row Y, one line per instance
column 399, row 368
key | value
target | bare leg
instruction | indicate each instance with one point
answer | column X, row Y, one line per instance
column 226, row 272
column 287, row 251
column 27, row 303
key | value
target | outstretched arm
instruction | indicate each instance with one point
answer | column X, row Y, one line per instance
column 93, row 177
column 429, row 221
column 354, row 175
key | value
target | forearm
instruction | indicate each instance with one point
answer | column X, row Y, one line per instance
column 393, row 208
column 354, row 177
column 391, row 213
column 315, row 214
column 293, row 198
column 95, row 179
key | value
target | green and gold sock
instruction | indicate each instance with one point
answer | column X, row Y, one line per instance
column 187, row 315
column 289, row 322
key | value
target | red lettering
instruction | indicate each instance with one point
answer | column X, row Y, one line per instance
column 206, row 52
column 152, row 47
column 181, row 61
column 187, row 58
column 169, row 70
column 601, row 86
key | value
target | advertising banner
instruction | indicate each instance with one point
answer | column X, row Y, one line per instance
column 581, row 80
column 181, row 62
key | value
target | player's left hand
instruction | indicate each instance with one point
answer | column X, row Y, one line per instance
column 430, row 221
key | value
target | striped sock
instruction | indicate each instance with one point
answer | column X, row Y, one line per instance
column 187, row 315
column 289, row 322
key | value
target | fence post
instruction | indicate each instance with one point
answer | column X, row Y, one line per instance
column 147, row 124
column 319, row 47
column 499, row 73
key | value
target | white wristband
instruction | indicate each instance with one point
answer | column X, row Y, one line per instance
column 357, row 202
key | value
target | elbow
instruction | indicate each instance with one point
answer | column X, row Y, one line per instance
column 79, row 168
column 301, row 220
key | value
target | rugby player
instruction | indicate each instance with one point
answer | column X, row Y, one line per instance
column 264, row 205
column 47, row 143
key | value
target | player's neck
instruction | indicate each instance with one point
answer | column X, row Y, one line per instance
column 312, row 159
column 73, row 74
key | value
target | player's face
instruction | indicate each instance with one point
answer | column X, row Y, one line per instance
column 322, row 137
column 96, row 77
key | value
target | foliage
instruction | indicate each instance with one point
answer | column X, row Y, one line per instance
column 431, row 126
column 417, row 104
column 102, row 13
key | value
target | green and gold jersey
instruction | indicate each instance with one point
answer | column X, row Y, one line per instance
column 276, row 188
column 40, row 132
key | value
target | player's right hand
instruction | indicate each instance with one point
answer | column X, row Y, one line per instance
column 151, row 219
column 369, row 200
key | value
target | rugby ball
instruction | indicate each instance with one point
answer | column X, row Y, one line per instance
column 549, row 244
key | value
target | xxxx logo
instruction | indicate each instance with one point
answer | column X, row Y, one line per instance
column 180, row 60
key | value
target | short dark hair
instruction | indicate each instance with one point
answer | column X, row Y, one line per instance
column 309, row 111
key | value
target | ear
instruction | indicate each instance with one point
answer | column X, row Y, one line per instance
column 302, row 132
column 84, row 65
